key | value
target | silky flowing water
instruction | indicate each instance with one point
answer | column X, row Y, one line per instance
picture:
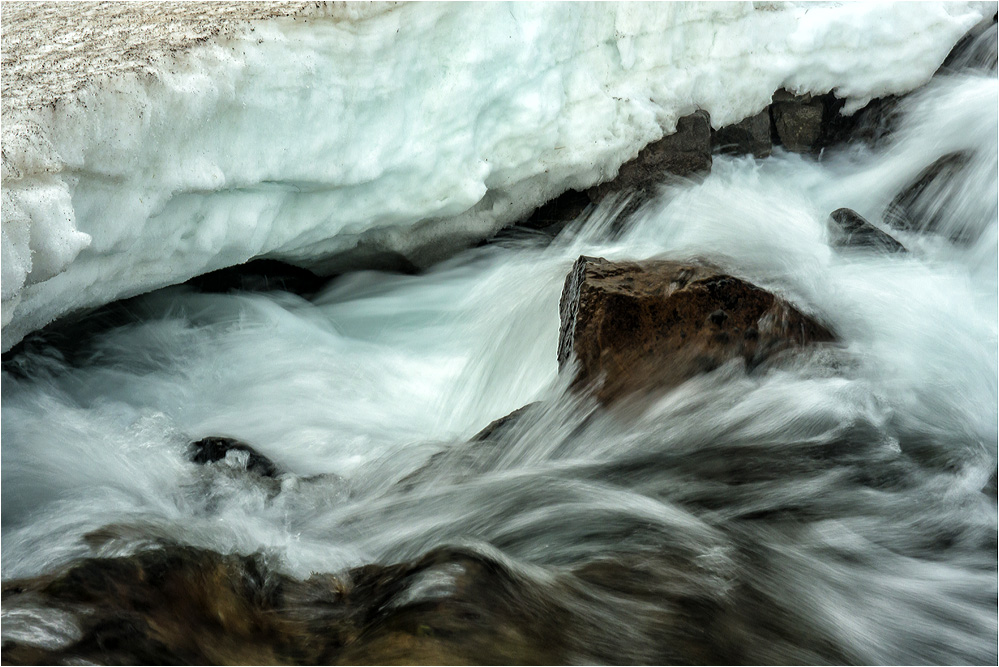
column 851, row 489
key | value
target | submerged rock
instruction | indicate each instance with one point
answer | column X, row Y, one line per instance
column 640, row 326
column 924, row 204
column 183, row 605
column 234, row 453
column 853, row 230
column 462, row 460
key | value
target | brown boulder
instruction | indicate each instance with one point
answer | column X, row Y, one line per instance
column 652, row 325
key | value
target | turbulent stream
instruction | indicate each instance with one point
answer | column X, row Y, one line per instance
column 848, row 496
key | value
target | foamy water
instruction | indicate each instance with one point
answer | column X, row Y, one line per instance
column 843, row 489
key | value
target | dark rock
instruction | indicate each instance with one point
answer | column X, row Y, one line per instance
column 260, row 275
column 810, row 123
column 645, row 326
column 976, row 50
column 718, row 317
column 991, row 487
column 182, row 605
column 683, row 153
column 213, row 449
column 870, row 124
column 368, row 254
column 750, row 136
column 463, row 460
column 924, row 204
column 557, row 213
column 853, row 230
column 498, row 427
column 797, row 120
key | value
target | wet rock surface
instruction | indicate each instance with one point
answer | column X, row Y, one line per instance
column 811, row 123
column 181, row 605
column 797, row 120
column 557, row 213
column 871, row 125
column 636, row 327
column 234, row 453
column 978, row 49
column 926, row 204
column 750, row 136
column 853, row 230
column 683, row 153
column 462, row 460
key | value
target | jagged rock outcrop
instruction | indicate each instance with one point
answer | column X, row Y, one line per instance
column 633, row 327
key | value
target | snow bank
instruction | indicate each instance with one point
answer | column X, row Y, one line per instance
column 411, row 129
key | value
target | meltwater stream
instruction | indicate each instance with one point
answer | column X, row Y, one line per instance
column 849, row 499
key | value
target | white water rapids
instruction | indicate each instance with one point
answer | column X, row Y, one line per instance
column 846, row 490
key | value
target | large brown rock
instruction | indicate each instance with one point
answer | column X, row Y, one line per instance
column 634, row 327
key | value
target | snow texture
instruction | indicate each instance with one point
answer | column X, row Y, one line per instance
column 144, row 144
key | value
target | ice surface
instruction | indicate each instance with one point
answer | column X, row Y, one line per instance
column 415, row 129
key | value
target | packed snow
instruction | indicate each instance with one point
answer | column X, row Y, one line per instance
column 332, row 133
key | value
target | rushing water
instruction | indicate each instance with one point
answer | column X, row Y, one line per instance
column 849, row 491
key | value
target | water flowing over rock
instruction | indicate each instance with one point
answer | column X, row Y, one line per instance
column 770, row 440
column 181, row 605
column 979, row 49
column 852, row 229
column 553, row 216
column 925, row 203
column 639, row 326
column 233, row 453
